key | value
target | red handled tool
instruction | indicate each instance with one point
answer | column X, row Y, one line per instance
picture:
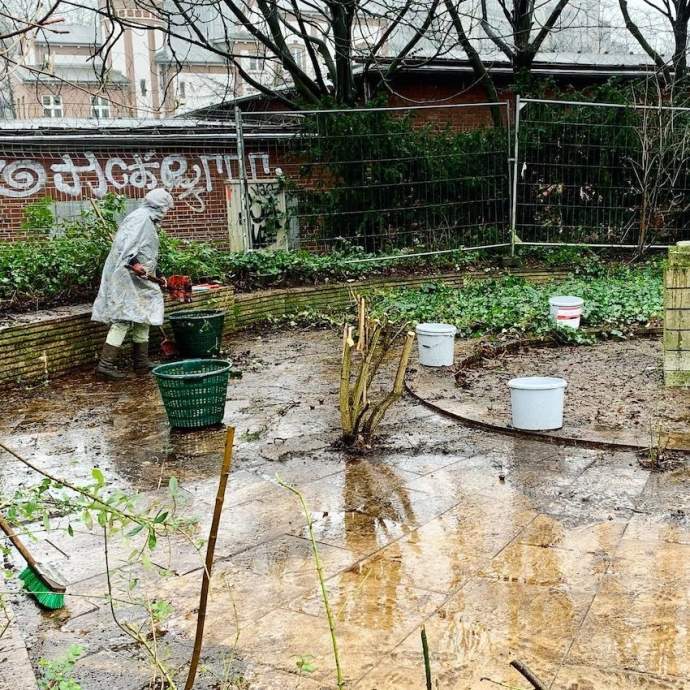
column 179, row 287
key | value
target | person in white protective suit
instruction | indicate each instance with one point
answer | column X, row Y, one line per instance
column 126, row 299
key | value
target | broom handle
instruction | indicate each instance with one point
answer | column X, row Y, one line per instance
column 18, row 544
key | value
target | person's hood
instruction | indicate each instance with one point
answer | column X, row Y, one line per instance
column 159, row 202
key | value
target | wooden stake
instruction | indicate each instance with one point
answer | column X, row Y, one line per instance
column 210, row 550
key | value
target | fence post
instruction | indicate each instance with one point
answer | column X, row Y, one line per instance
column 244, row 182
column 513, row 214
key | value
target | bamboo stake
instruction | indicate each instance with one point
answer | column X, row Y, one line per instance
column 528, row 674
column 427, row 662
column 210, row 550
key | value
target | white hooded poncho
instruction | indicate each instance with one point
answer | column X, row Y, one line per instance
column 124, row 296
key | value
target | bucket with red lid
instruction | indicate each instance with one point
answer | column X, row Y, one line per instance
column 566, row 310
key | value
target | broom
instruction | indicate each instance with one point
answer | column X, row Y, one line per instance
column 49, row 592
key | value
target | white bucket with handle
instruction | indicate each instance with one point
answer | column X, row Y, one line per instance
column 566, row 310
column 537, row 402
column 436, row 342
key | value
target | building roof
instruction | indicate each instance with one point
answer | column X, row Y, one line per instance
column 70, row 35
column 135, row 131
column 186, row 54
column 73, row 74
column 551, row 64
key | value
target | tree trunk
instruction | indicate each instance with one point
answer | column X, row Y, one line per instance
column 680, row 59
column 342, row 18
column 480, row 72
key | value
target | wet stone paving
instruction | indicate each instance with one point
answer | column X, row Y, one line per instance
column 574, row 562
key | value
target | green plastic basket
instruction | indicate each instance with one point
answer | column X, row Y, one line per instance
column 198, row 332
column 193, row 391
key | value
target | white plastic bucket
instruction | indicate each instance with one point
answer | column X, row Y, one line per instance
column 537, row 402
column 566, row 310
column 436, row 342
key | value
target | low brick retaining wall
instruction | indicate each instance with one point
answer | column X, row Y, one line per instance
column 37, row 347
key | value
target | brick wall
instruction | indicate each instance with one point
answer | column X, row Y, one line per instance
column 72, row 175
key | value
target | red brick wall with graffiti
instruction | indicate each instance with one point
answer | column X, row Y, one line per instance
column 198, row 178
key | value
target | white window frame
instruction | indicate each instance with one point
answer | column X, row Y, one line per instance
column 100, row 108
column 52, row 106
column 256, row 62
column 297, row 53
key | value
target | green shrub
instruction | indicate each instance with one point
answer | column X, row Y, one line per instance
column 66, row 269
column 619, row 298
column 38, row 218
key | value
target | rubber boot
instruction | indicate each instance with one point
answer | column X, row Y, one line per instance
column 107, row 365
column 140, row 358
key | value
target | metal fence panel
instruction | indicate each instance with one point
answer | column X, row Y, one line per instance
column 601, row 174
column 421, row 179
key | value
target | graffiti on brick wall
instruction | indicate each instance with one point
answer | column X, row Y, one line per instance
column 75, row 176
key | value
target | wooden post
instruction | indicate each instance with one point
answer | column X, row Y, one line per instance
column 677, row 317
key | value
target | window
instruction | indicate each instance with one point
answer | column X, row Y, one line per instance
column 182, row 90
column 100, row 107
column 256, row 63
column 142, row 87
column 298, row 56
column 52, row 106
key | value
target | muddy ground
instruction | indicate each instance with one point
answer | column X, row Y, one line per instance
column 575, row 562
column 611, row 385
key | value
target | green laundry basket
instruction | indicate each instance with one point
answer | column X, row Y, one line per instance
column 198, row 332
column 193, row 391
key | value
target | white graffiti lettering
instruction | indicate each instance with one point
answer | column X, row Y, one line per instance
column 21, row 178
column 141, row 175
column 187, row 180
column 110, row 166
column 263, row 157
column 74, row 186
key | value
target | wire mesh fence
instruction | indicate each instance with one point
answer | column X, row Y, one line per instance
column 386, row 181
column 417, row 179
column 601, row 174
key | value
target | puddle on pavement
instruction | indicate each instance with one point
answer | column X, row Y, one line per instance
column 574, row 562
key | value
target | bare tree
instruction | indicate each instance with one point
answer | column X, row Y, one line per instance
column 339, row 39
column 480, row 70
column 525, row 33
column 19, row 18
column 677, row 14
column 660, row 169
